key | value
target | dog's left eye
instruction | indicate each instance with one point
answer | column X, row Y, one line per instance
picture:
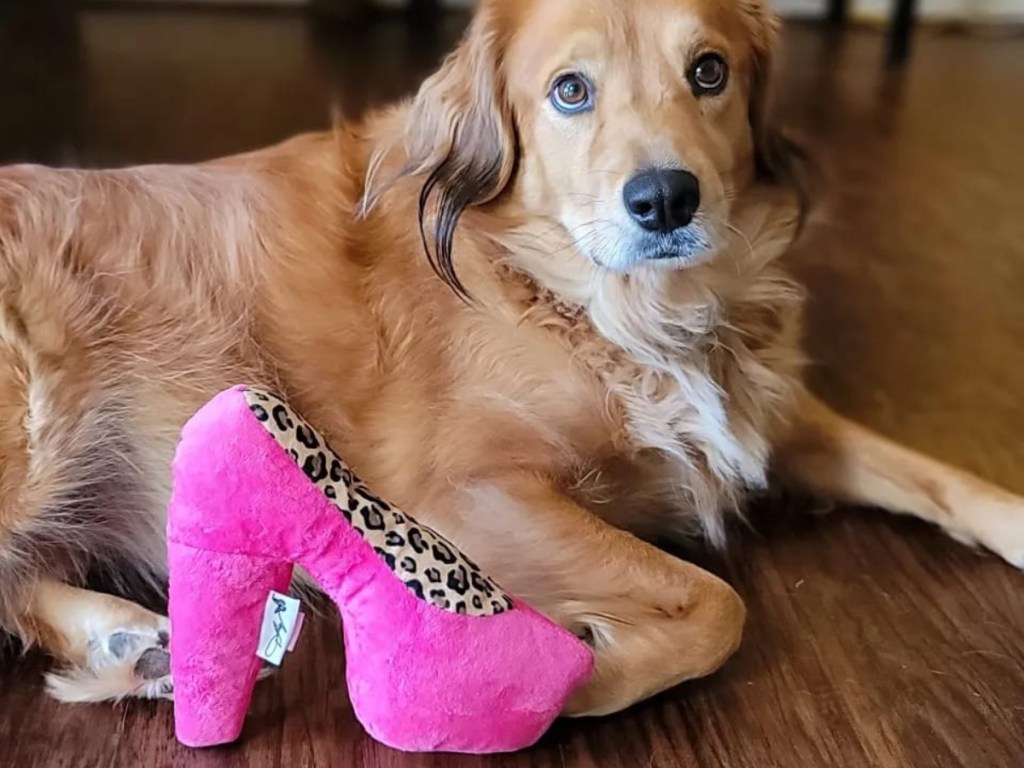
column 708, row 75
column 571, row 94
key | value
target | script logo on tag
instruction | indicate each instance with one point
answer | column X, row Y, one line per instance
column 282, row 621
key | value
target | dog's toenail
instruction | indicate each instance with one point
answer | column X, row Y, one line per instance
column 153, row 663
column 163, row 639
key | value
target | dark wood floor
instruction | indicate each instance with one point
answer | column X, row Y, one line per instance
column 872, row 641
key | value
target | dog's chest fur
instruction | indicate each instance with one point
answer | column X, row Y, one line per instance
column 696, row 392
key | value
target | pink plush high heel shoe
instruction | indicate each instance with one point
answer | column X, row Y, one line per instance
column 438, row 656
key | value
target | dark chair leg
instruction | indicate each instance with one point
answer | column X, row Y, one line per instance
column 837, row 12
column 900, row 30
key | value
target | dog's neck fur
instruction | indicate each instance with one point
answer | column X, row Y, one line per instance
column 702, row 362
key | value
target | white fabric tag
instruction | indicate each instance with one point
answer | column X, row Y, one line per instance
column 282, row 621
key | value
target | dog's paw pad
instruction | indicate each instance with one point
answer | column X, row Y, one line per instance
column 153, row 664
column 121, row 645
column 126, row 645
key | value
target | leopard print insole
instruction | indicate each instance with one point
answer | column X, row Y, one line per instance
column 431, row 567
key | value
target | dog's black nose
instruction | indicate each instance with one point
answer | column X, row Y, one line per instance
column 662, row 200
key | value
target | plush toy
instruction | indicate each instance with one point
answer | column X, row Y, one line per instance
column 439, row 657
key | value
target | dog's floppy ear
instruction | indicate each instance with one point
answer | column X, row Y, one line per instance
column 777, row 158
column 460, row 137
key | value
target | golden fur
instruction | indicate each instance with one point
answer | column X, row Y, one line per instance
column 557, row 396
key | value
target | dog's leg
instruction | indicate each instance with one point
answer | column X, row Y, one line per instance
column 653, row 620
column 113, row 648
column 831, row 455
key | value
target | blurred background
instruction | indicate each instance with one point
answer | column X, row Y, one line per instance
column 137, row 80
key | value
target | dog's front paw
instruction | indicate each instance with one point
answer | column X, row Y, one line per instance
column 998, row 525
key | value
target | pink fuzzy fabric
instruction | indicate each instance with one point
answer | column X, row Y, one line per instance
column 420, row 678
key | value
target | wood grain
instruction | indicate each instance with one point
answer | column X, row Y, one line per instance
column 872, row 641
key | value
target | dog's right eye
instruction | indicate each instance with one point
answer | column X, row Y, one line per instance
column 708, row 75
column 571, row 94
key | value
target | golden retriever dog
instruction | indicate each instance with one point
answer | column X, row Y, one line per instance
column 540, row 305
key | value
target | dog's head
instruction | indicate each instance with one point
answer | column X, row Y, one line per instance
column 630, row 127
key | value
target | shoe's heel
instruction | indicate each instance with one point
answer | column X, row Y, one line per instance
column 216, row 609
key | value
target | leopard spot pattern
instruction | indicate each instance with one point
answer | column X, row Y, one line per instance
column 430, row 567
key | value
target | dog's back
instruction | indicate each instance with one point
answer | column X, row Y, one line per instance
column 122, row 307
